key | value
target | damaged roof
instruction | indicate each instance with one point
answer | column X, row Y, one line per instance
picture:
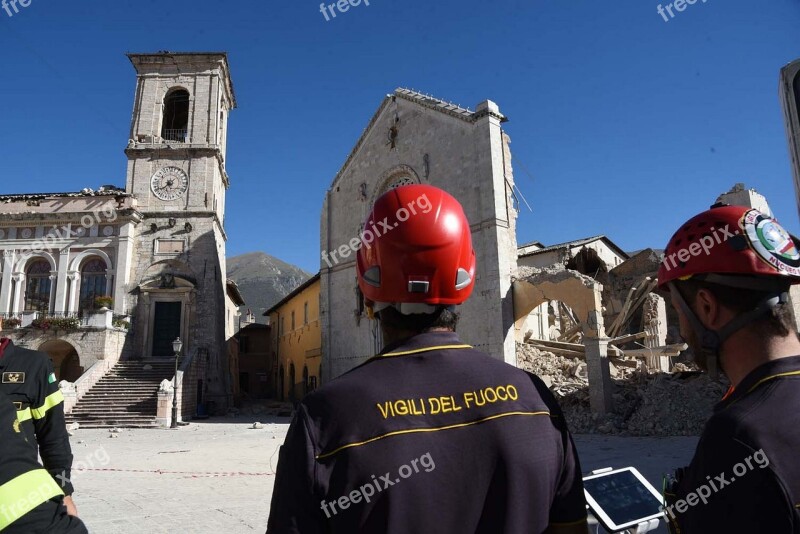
column 103, row 191
column 575, row 243
column 234, row 293
column 445, row 107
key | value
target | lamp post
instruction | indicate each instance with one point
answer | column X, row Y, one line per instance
column 177, row 345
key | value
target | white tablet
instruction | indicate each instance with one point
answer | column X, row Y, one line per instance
column 622, row 498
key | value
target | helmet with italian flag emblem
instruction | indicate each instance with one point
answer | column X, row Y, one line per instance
column 731, row 240
column 737, row 247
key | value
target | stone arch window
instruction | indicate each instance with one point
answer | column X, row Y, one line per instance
column 38, row 287
column 175, row 123
column 396, row 177
column 397, row 181
column 93, row 284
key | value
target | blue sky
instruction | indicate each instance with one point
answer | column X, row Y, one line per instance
column 627, row 124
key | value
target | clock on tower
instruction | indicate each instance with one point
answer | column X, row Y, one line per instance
column 169, row 183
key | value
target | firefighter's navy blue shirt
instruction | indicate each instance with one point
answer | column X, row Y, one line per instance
column 445, row 438
column 30, row 500
column 749, row 452
column 27, row 377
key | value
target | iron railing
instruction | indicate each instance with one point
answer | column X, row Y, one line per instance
column 178, row 136
column 84, row 318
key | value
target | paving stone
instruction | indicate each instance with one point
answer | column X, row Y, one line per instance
column 217, row 476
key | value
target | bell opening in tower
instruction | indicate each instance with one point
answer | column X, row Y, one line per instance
column 175, row 124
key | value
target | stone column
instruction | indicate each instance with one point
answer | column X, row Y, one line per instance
column 7, row 284
column 597, row 366
column 53, row 282
column 109, row 282
column 654, row 323
column 61, row 282
column 600, row 398
column 123, row 268
column 19, row 285
column 74, row 278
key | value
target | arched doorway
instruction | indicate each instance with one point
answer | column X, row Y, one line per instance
column 65, row 358
column 305, row 380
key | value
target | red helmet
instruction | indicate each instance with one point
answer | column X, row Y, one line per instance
column 731, row 240
column 416, row 248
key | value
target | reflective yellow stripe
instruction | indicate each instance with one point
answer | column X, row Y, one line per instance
column 766, row 379
column 424, row 349
column 428, row 429
column 24, row 493
column 52, row 400
column 790, row 373
column 24, row 415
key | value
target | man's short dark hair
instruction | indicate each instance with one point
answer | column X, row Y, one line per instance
column 443, row 317
column 778, row 322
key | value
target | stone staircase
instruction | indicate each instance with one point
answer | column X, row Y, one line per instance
column 126, row 397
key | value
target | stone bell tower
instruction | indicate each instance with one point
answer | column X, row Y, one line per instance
column 176, row 171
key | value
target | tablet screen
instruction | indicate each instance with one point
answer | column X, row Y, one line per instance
column 622, row 497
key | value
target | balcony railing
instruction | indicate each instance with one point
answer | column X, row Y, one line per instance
column 178, row 136
column 84, row 317
column 19, row 316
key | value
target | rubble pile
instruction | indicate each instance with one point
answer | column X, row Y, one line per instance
column 645, row 404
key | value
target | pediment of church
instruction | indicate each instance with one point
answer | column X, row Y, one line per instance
column 166, row 281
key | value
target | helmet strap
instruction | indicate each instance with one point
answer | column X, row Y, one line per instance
column 712, row 340
column 762, row 309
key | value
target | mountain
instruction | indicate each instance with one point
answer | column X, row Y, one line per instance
column 263, row 280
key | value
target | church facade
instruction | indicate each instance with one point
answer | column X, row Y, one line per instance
column 417, row 139
column 99, row 276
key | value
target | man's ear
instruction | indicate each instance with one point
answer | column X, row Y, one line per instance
column 708, row 310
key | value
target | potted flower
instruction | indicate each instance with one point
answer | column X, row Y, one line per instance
column 104, row 302
column 66, row 324
column 10, row 323
column 42, row 323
